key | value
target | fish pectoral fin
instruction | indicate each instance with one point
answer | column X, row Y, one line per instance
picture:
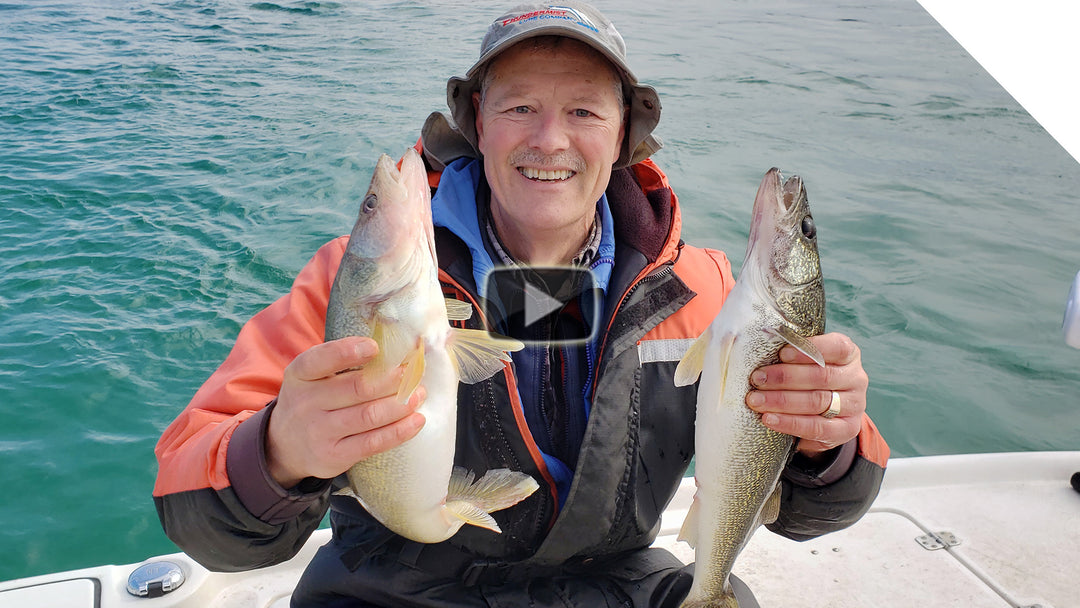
column 473, row 515
column 351, row 493
column 456, row 310
column 770, row 511
column 347, row 491
column 688, row 531
column 414, row 372
column 727, row 347
column 394, row 344
column 496, row 490
column 799, row 341
column 689, row 368
column 478, row 355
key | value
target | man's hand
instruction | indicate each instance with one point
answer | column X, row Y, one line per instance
column 792, row 395
column 327, row 420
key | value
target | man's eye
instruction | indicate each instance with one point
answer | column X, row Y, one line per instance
column 521, row 110
column 582, row 113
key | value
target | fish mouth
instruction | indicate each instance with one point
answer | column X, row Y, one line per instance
column 776, row 198
column 785, row 193
column 768, row 204
column 792, row 192
column 394, row 212
column 386, row 178
column 408, row 174
column 546, row 175
column 778, row 205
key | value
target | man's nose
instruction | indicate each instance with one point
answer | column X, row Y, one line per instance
column 551, row 133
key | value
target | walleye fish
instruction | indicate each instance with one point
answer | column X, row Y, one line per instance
column 778, row 299
column 387, row 288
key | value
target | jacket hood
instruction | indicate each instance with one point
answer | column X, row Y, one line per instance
column 646, row 214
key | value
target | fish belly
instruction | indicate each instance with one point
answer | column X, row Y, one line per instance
column 405, row 488
column 738, row 462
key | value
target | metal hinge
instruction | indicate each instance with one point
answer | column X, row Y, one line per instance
column 937, row 540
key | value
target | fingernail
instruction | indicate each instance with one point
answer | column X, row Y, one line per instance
column 755, row 399
column 366, row 348
column 758, row 378
column 770, row 419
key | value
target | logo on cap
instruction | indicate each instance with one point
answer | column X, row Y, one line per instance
column 553, row 12
column 547, row 305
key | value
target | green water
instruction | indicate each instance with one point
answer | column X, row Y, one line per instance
column 167, row 167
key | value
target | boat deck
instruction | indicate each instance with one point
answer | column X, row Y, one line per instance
column 1014, row 519
column 988, row 530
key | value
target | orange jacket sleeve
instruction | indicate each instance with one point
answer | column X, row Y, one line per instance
column 214, row 495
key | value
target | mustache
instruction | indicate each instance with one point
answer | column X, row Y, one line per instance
column 532, row 158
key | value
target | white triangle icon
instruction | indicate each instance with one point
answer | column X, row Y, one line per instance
column 538, row 304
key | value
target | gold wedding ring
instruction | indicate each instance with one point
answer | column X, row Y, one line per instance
column 834, row 407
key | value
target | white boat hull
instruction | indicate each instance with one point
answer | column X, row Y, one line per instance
column 1014, row 516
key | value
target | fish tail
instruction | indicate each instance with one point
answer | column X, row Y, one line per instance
column 498, row 489
column 698, row 599
column 724, row 601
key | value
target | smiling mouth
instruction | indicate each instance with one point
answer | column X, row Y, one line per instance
column 542, row 175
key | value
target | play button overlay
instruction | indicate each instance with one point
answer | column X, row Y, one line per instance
column 545, row 305
column 538, row 304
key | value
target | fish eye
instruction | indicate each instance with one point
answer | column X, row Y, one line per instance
column 809, row 230
column 370, row 203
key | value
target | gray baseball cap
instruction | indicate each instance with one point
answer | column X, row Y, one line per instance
column 571, row 19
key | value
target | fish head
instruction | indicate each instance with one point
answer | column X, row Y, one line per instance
column 782, row 254
column 395, row 216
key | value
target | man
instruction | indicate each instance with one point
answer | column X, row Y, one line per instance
column 547, row 165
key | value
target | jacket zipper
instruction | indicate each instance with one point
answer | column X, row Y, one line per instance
column 663, row 272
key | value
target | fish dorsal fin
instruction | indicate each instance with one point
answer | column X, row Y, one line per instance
column 771, row 509
column 477, row 355
column 498, row 489
column 799, row 341
column 688, row 531
column 689, row 368
column 456, row 310
column 414, row 372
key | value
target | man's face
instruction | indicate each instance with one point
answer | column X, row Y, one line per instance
column 550, row 125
